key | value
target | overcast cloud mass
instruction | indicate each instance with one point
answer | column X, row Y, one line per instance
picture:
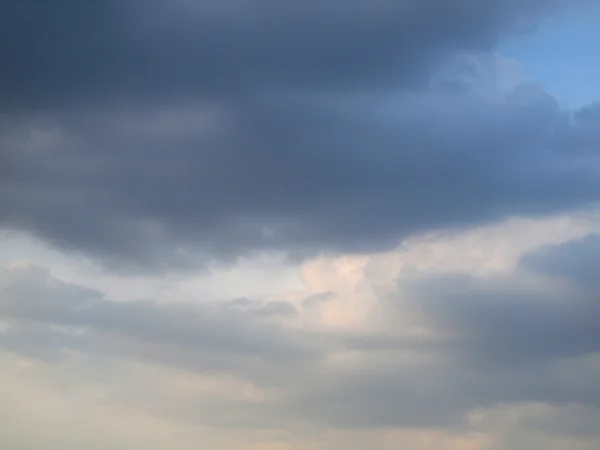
column 289, row 225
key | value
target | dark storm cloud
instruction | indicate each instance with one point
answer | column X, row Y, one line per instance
column 170, row 188
column 69, row 50
column 161, row 135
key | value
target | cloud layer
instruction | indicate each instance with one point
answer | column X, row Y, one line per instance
column 339, row 170
column 493, row 340
column 284, row 137
column 150, row 49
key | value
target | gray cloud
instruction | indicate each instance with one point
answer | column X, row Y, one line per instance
column 202, row 337
column 514, row 322
column 506, row 325
column 576, row 261
column 257, row 308
column 173, row 188
column 163, row 135
column 152, row 49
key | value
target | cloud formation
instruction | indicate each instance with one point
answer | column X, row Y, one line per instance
column 170, row 189
column 151, row 49
column 492, row 340
column 338, row 169
column 284, row 136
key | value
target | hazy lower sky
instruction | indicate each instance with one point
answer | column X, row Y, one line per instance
column 299, row 225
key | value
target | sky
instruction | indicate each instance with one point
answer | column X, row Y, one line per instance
column 299, row 225
column 560, row 55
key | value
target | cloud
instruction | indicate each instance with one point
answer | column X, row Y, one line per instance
column 520, row 319
column 169, row 190
column 143, row 140
column 180, row 133
column 150, row 49
column 503, row 324
column 494, row 339
column 574, row 261
column 69, row 317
